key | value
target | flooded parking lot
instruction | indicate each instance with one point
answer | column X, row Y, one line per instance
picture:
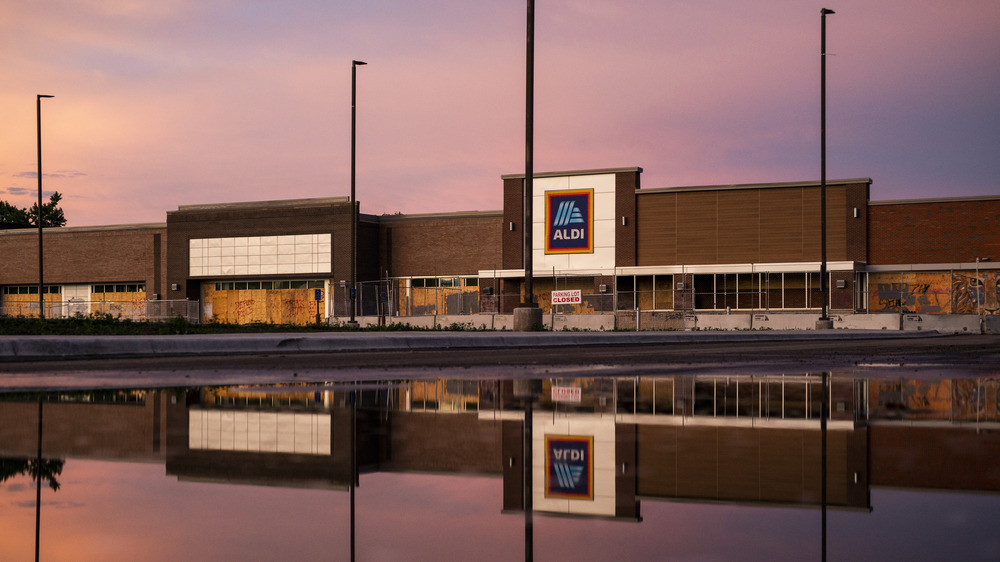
column 710, row 466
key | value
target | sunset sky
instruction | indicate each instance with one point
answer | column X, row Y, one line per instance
column 160, row 103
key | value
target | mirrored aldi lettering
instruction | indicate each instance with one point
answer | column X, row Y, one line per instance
column 569, row 467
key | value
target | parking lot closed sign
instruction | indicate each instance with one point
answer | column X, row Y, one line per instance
column 567, row 297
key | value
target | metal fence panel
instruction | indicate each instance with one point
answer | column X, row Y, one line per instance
column 137, row 310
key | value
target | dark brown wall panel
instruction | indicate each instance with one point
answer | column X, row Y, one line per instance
column 780, row 225
column 656, row 229
column 739, row 226
column 857, row 226
column 625, row 185
column 749, row 225
column 697, row 227
column 513, row 205
column 836, row 223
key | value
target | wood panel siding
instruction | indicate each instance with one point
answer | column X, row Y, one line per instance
column 769, row 224
column 739, row 227
column 698, row 227
column 781, row 220
column 656, row 228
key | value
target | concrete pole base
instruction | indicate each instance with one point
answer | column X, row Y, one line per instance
column 824, row 324
column 527, row 319
column 352, row 324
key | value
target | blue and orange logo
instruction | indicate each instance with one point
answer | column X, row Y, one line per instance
column 569, row 467
column 569, row 222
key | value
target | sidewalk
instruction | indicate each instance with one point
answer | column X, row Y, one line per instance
column 42, row 348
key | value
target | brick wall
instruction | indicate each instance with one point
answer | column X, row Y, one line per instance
column 432, row 245
column 86, row 255
column 934, row 231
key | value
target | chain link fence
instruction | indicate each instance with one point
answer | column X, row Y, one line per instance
column 398, row 297
column 138, row 310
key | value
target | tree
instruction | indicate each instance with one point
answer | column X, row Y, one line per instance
column 10, row 214
column 52, row 213
column 47, row 469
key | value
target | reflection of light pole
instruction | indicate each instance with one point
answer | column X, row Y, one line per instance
column 354, row 461
column 38, row 484
column 824, row 411
column 824, row 322
column 354, row 204
column 41, row 281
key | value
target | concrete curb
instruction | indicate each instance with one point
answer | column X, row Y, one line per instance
column 49, row 348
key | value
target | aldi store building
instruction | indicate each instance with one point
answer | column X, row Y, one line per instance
column 738, row 256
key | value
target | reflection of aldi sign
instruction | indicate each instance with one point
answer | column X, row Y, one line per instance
column 569, row 222
column 569, row 467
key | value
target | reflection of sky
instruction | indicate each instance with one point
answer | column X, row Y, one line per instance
column 121, row 511
column 164, row 103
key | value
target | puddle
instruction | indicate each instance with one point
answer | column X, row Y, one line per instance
column 642, row 468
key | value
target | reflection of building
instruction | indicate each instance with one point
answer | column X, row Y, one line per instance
column 665, row 252
column 735, row 439
column 269, row 436
column 105, row 425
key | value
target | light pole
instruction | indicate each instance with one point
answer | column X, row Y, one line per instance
column 527, row 316
column 354, row 204
column 529, row 153
column 980, row 286
column 824, row 322
column 41, row 280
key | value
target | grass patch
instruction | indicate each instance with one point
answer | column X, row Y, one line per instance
column 108, row 325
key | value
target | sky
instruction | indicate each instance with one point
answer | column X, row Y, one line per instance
column 161, row 103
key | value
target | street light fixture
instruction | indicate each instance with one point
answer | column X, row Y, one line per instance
column 41, row 280
column 824, row 321
column 354, row 205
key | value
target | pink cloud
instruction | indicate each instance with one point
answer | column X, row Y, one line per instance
column 161, row 105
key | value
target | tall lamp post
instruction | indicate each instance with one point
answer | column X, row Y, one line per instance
column 41, row 280
column 528, row 317
column 354, row 204
column 824, row 322
column 980, row 287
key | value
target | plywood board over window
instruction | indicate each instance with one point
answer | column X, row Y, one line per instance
column 282, row 302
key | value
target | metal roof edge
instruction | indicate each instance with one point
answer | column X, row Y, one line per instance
column 96, row 228
column 773, row 185
column 262, row 204
column 449, row 215
column 594, row 172
column 968, row 199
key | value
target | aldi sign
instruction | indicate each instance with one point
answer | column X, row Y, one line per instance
column 569, row 467
column 569, row 222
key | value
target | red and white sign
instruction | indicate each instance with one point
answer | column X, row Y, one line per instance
column 566, row 394
column 567, row 297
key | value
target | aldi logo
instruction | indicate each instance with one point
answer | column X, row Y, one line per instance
column 569, row 222
column 569, row 467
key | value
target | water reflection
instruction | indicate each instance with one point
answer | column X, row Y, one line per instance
column 589, row 449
